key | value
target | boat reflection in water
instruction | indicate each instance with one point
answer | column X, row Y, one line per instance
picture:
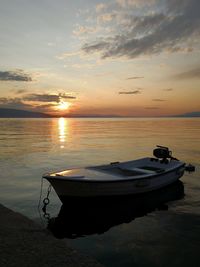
column 81, row 217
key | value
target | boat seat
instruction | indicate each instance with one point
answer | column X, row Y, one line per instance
column 139, row 170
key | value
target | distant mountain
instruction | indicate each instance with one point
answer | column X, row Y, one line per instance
column 189, row 115
column 90, row 116
column 16, row 113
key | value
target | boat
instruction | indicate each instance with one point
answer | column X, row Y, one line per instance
column 118, row 178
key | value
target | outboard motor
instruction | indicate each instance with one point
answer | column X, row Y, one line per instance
column 162, row 152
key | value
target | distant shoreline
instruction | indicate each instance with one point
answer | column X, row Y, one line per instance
column 104, row 117
column 15, row 113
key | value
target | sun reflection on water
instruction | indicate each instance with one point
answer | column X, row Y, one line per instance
column 63, row 129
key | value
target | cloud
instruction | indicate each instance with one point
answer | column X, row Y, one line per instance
column 26, row 102
column 158, row 100
column 46, row 106
column 106, row 17
column 34, row 101
column 17, row 75
column 174, row 29
column 128, row 3
column 42, row 98
column 20, row 91
column 130, row 92
column 95, row 47
column 69, row 54
column 82, row 66
column 100, row 7
column 190, row 74
column 66, row 96
column 135, row 77
column 168, row 89
column 80, row 30
column 152, row 108
column 47, row 97
column 15, row 103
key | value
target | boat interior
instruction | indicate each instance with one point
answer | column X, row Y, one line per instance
column 132, row 168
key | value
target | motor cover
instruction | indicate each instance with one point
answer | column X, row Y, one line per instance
column 162, row 153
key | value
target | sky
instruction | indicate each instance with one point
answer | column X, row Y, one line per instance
column 89, row 57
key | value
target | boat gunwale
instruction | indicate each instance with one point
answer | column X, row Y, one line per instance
column 131, row 178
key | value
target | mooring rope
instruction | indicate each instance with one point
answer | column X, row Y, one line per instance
column 45, row 201
column 39, row 202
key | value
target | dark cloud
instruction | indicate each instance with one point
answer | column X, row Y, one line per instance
column 46, row 106
column 130, row 92
column 47, row 97
column 168, row 89
column 17, row 75
column 158, row 100
column 152, row 108
column 169, row 31
column 135, row 77
column 21, row 91
column 190, row 74
column 67, row 96
column 47, row 101
column 97, row 46
column 15, row 103
column 42, row 98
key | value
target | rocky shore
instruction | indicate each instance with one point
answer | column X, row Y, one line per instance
column 24, row 243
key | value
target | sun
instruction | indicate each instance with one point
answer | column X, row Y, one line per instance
column 64, row 105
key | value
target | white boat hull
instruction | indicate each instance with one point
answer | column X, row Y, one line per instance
column 80, row 187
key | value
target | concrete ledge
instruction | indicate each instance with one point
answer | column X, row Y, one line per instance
column 25, row 244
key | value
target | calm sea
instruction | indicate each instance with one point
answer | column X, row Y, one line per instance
column 160, row 230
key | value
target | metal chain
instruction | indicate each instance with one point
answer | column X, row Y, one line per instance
column 46, row 202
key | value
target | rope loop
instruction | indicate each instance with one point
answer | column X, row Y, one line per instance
column 46, row 201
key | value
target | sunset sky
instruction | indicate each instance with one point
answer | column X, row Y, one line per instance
column 120, row 57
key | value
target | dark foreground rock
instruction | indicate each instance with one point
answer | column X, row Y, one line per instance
column 23, row 243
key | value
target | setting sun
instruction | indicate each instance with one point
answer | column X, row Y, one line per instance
column 64, row 105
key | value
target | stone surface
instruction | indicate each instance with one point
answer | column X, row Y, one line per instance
column 24, row 243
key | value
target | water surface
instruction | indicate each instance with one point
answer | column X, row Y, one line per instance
column 30, row 147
